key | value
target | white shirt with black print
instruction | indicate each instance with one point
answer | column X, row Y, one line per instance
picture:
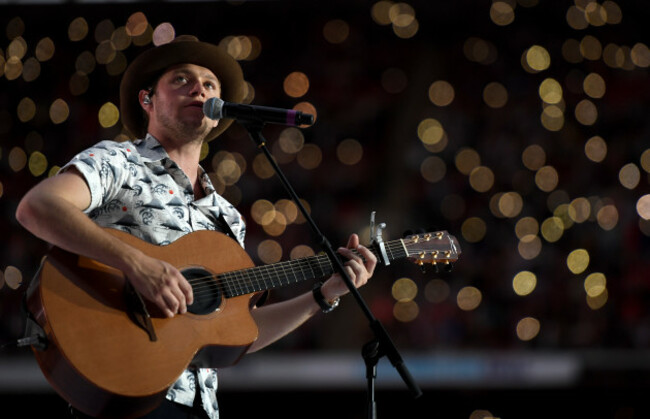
column 135, row 187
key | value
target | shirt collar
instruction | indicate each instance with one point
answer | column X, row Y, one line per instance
column 151, row 150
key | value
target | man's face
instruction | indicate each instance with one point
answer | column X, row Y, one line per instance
column 176, row 108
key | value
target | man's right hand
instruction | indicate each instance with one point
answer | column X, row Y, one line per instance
column 161, row 283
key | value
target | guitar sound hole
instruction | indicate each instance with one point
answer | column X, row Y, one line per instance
column 207, row 295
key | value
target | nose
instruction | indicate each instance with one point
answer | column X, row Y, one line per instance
column 197, row 88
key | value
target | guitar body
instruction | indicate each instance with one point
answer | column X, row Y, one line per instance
column 100, row 360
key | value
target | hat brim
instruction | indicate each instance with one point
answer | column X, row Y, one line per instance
column 150, row 64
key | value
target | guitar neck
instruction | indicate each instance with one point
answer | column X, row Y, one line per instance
column 262, row 278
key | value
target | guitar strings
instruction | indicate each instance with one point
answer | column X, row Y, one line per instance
column 240, row 283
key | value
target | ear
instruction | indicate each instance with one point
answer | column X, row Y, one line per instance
column 144, row 97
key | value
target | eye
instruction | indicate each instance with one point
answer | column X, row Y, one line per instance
column 180, row 79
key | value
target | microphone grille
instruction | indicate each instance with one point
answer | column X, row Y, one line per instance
column 213, row 108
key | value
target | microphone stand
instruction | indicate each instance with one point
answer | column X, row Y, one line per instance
column 381, row 345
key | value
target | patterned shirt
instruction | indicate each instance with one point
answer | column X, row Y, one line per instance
column 135, row 187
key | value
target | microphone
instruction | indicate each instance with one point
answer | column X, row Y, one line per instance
column 215, row 108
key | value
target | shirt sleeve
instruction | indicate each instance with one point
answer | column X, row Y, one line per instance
column 104, row 167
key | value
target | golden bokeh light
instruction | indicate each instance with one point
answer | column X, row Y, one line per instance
column 26, row 109
column 533, row 157
column 528, row 328
column 469, row 298
column 571, row 51
column 552, row 118
column 473, row 229
column 433, row 169
column 524, row 283
column 629, row 176
column 441, row 93
column 349, row 151
column 404, row 289
column 78, row 29
column 108, row 115
column 269, row 251
column 430, row 131
column 481, row 179
column 495, row 95
column 550, row 91
column 510, row 204
column 59, row 111
column 296, row 84
column 538, row 58
column 502, row 13
column 44, row 49
column 596, row 149
column 480, row 50
column 301, row 251
column 37, row 163
column 552, row 229
column 526, row 226
column 288, row 208
column 104, row 30
column 643, row 207
column 576, row 18
column 586, row 112
column 277, row 226
column 15, row 28
column 599, row 301
column 436, row 291
column 607, row 217
column 263, row 212
column 310, row 156
column 136, row 25
column 591, row 48
column 546, row 178
column 595, row 284
column 262, row 168
column 13, row 68
column 105, row 52
column 594, row 85
column 579, row 210
column 291, row 140
column 17, row 159
column 380, row 12
column 406, row 311
column 578, row 261
column 336, row 31
column 529, row 246
column 640, row 55
column 31, row 69
column 595, row 14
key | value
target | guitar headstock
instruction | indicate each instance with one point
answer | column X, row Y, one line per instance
column 438, row 248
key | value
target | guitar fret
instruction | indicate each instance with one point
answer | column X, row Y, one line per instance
column 280, row 274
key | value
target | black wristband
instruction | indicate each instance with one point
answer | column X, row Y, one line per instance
column 325, row 306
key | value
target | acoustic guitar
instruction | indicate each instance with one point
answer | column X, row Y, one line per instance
column 109, row 353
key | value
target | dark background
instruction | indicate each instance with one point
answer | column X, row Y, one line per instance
column 596, row 361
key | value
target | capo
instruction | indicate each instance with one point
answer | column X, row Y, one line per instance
column 377, row 239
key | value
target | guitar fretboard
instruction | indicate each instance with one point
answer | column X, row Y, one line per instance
column 262, row 278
